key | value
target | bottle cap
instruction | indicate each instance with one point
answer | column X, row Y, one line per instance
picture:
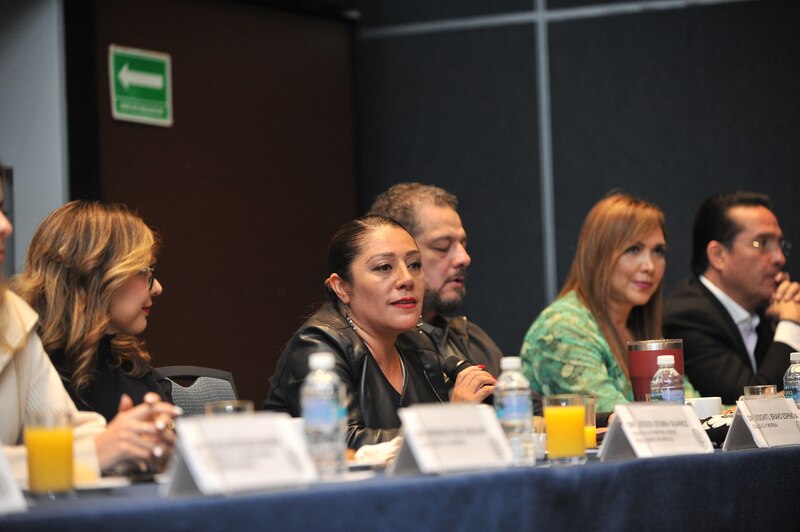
column 320, row 361
column 794, row 358
column 665, row 360
column 510, row 363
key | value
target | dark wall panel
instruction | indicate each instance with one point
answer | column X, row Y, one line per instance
column 376, row 13
column 668, row 104
column 249, row 183
column 458, row 110
column 674, row 106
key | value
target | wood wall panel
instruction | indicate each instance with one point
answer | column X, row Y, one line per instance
column 249, row 183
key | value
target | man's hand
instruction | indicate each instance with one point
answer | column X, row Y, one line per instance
column 786, row 290
column 785, row 302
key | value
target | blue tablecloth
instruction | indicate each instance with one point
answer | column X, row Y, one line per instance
column 746, row 490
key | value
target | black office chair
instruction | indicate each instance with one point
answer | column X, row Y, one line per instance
column 209, row 385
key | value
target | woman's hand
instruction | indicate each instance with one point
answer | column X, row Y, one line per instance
column 137, row 435
column 473, row 385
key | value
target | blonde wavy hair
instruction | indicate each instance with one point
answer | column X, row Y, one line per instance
column 79, row 256
column 614, row 223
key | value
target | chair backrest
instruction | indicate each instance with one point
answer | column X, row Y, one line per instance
column 210, row 385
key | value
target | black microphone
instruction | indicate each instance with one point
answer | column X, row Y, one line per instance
column 453, row 365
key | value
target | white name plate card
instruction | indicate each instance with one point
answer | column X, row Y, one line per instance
column 232, row 453
column 444, row 438
column 11, row 498
column 646, row 430
column 771, row 422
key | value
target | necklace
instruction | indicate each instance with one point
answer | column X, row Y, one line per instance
column 402, row 366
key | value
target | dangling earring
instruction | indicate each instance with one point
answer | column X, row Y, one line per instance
column 420, row 322
column 348, row 318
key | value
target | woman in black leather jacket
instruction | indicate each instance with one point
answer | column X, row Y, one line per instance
column 375, row 289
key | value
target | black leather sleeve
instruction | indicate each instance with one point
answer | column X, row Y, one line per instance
column 371, row 407
column 292, row 368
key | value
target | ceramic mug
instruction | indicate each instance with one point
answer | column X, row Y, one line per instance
column 706, row 406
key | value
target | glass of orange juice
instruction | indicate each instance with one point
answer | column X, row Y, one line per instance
column 48, row 439
column 564, row 416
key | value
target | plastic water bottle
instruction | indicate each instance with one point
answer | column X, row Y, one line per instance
column 322, row 399
column 512, row 402
column 667, row 384
column 791, row 379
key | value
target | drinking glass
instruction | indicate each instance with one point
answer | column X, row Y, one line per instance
column 48, row 439
column 564, row 416
column 229, row 407
column 589, row 423
column 760, row 391
column 539, row 437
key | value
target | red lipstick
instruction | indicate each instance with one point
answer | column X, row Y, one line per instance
column 406, row 302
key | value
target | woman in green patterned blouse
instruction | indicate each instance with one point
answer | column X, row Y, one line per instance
column 613, row 295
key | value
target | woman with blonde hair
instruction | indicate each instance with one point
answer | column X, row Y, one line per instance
column 29, row 384
column 613, row 295
column 89, row 274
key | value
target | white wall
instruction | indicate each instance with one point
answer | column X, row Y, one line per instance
column 33, row 127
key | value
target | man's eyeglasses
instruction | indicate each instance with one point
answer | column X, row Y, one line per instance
column 771, row 245
column 150, row 272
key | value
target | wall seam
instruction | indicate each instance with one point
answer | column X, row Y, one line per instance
column 533, row 17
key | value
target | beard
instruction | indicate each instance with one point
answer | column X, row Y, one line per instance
column 435, row 302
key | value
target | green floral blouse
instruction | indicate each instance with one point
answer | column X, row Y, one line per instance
column 564, row 351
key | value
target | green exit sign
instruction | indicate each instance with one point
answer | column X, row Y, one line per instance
column 141, row 85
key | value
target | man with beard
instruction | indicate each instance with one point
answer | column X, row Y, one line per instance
column 739, row 316
column 429, row 214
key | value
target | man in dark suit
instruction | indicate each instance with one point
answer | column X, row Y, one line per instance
column 429, row 213
column 739, row 315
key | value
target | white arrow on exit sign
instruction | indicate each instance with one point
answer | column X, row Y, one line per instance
column 147, row 80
